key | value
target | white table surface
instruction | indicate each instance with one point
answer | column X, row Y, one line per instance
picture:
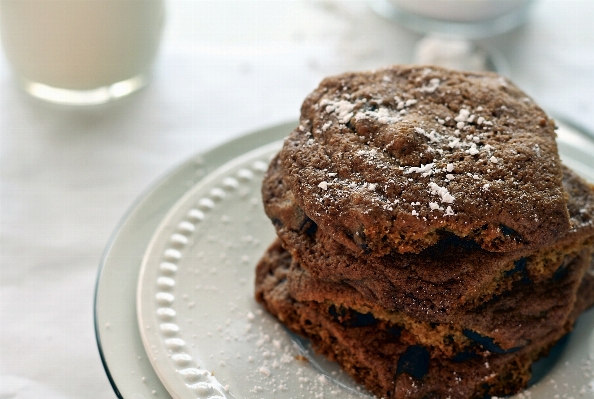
column 67, row 175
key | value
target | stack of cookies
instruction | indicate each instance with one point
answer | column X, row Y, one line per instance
column 429, row 238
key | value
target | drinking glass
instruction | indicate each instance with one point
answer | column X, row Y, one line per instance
column 81, row 51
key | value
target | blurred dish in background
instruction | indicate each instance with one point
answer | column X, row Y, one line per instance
column 472, row 19
column 453, row 26
column 81, row 52
column 457, row 53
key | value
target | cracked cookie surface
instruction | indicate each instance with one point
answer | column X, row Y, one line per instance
column 390, row 159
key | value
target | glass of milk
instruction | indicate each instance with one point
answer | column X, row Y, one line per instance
column 471, row 19
column 81, row 51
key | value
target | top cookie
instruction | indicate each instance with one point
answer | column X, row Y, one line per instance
column 388, row 160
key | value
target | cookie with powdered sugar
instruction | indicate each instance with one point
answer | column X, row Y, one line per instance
column 395, row 158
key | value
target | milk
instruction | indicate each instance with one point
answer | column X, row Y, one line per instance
column 80, row 45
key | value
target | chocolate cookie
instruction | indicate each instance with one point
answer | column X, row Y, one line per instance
column 391, row 160
column 504, row 324
column 440, row 281
column 390, row 359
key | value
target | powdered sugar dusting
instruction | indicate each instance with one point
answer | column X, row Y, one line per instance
column 342, row 109
column 431, row 87
column 424, row 170
column 442, row 192
column 382, row 115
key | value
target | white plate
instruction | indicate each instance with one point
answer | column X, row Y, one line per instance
column 196, row 311
column 116, row 328
column 214, row 236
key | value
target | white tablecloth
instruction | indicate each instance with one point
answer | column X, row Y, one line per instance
column 225, row 68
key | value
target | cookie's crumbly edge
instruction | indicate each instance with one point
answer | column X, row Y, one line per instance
column 372, row 356
column 510, row 320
